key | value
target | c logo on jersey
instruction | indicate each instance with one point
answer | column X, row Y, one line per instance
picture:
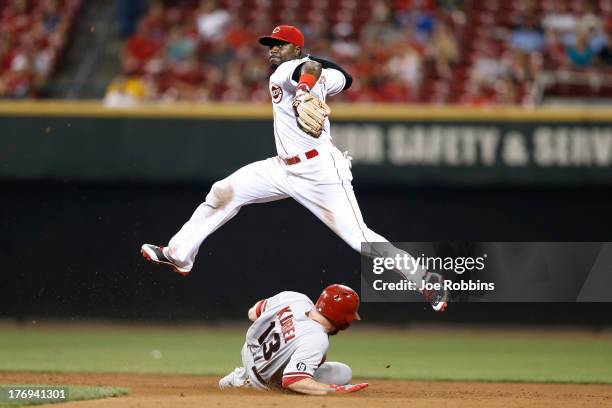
column 276, row 92
column 300, row 366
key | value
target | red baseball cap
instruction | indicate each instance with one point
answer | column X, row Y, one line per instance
column 284, row 33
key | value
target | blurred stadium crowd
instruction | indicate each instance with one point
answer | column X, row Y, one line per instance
column 448, row 51
column 33, row 36
column 475, row 52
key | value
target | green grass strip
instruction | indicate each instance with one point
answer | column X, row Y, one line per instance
column 370, row 353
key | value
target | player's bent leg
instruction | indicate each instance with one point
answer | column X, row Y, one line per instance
column 254, row 183
column 247, row 361
column 336, row 205
column 219, row 207
column 333, row 373
column 361, row 238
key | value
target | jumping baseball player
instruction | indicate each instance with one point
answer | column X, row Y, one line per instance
column 287, row 343
column 308, row 167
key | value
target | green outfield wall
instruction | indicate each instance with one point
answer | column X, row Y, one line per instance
column 390, row 145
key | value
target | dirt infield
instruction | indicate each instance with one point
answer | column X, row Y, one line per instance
column 197, row 391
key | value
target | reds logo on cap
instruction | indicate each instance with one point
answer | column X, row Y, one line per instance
column 284, row 33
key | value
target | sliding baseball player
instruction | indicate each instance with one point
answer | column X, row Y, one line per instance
column 308, row 167
column 287, row 343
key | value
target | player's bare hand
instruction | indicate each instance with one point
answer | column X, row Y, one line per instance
column 349, row 387
column 310, row 113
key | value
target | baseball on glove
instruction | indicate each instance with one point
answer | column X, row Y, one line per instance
column 310, row 113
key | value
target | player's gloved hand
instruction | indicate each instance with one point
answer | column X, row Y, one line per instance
column 349, row 387
column 310, row 113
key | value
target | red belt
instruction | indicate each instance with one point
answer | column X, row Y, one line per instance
column 296, row 159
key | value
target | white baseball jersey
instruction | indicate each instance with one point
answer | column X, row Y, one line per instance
column 290, row 139
column 286, row 345
column 321, row 183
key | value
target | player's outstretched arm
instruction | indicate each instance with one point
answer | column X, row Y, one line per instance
column 309, row 386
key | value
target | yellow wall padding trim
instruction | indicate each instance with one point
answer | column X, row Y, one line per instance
column 373, row 112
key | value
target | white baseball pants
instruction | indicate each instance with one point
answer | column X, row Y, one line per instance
column 322, row 184
column 330, row 372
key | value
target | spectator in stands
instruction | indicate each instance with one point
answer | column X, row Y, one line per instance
column 220, row 55
column 443, row 50
column 592, row 25
column 527, row 43
column 211, row 20
column 18, row 84
column 343, row 44
column 214, row 82
column 180, row 44
column 128, row 13
column 230, row 67
column 23, row 60
column 395, row 90
column 523, row 67
column 318, row 33
column 560, row 19
column 579, row 53
column 140, row 49
column 233, row 89
column 477, row 95
column 155, row 21
column 16, row 16
column 527, row 37
column 380, row 29
column 50, row 15
column 5, row 51
column 127, row 91
column 32, row 33
column 589, row 20
column 239, row 33
column 406, row 65
column 488, row 67
column 555, row 49
column 605, row 53
column 505, row 92
column 289, row 16
column 19, row 78
column 40, row 51
column 420, row 22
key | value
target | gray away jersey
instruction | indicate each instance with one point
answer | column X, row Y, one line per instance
column 286, row 345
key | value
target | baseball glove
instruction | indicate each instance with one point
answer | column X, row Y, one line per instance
column 310, row 113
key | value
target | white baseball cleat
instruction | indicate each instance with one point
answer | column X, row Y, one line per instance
column 236, row 379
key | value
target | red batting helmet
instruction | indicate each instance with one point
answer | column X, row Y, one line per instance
column 339, row 304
